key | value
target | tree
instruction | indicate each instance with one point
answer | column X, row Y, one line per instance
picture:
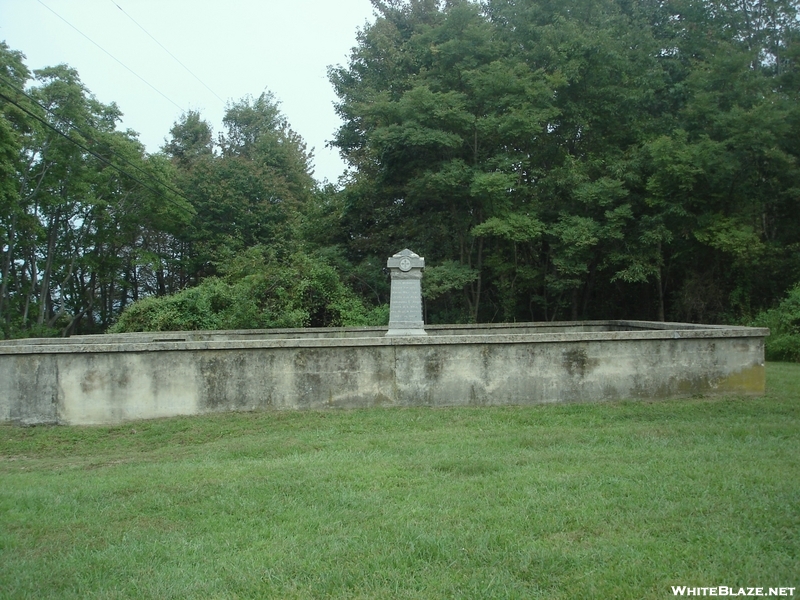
column 577, row 158
column 433, row 111
column 248, row 188
column 13, row 125
column 77, row 220
column 731, row 158
column 455, row 145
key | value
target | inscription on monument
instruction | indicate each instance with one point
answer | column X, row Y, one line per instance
column 405, row 304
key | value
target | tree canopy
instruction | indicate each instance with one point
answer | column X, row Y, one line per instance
column 551, row 160
column 580, row 158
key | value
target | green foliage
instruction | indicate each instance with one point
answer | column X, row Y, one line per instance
column 783, row 342
column 444, row 277
column 249, row 189
column 80, row 240
column 582, row 158
column 256, row 290
column 550, row 159
column 190, row 140
column 193, row 308
column 515, row 227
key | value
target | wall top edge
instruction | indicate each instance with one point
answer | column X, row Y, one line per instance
column 646, row 325
column 173, row 341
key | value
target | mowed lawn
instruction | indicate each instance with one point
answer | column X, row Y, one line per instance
column 613, row 500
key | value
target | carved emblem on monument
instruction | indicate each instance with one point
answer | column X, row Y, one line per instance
column 405, row 304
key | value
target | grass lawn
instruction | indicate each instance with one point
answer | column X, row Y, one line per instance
column 614, row 500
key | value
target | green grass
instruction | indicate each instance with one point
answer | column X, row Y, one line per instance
column 615, row 500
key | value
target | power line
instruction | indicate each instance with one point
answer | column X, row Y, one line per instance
column 88, row 137
column 97, row 156
column 112, row 56
column 167, row 51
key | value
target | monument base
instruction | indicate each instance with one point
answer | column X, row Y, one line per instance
column 396, row 332
column 406, row 328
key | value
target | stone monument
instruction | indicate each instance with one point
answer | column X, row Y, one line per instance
column 405, row 303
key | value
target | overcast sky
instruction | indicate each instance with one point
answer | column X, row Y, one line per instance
column 235, row 47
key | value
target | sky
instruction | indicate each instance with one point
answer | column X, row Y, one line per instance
column 233, row 48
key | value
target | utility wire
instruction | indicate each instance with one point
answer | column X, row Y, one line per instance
column 112, row 56
column 70, row 124
column 97, row 156
column 188, row 70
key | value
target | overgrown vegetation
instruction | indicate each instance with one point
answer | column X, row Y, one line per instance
column 783, row 342
column 562, row 159
column 615, row 500
column 256, row 290
column 581, row 159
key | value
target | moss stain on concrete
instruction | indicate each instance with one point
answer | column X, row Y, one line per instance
column 752, row 380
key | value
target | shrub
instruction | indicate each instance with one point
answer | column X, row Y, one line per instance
column 783, row 343
column 256, row 291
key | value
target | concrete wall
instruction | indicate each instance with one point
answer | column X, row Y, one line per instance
column 110, row 379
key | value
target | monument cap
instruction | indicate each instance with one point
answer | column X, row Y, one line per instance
column 405, row 260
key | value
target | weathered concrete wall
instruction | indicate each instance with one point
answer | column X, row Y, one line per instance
column 110, row 379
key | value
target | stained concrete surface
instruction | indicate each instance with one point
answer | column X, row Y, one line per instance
column 115, row 378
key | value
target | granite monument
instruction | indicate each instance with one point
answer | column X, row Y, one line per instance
column 405, row 303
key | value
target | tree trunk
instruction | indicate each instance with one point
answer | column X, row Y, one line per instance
column 6, row 271
column 474, row 297
column 44, row 294
column 587, row 294
column 574, row 304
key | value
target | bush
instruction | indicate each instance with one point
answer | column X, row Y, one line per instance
column 256, row 291
column 783, row 343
